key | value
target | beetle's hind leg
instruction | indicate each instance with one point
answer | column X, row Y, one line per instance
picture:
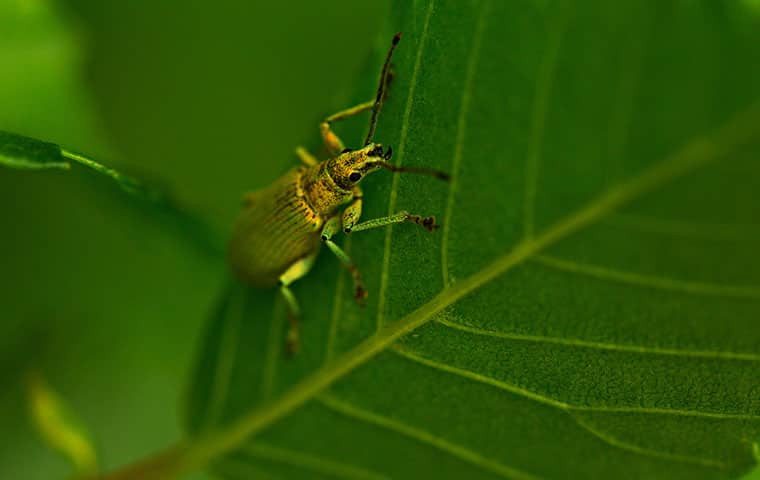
column 293, row 273
column 293, row 338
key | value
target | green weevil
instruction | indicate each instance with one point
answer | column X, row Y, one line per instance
column 280, row 230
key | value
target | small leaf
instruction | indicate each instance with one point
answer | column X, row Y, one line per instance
column 18, row 151
column 59, row 427
column 21, row 152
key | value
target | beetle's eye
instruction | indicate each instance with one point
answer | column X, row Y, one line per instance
column 355, row 177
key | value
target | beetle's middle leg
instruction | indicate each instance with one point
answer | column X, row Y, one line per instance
column 293, row 273
column 403, row 216
column 332, row 227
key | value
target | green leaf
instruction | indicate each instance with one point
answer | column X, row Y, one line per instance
column 18, row 151
column 24, row 153
column 589, row 308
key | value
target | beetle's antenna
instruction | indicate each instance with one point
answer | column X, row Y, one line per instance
column 425, row 171
column 381, row 90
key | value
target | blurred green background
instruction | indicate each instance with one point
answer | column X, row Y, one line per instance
column 97, row 292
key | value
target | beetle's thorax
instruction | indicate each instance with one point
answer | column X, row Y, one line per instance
column 321, row 191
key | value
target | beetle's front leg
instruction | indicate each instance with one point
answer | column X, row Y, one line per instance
column 354, row 210
column 332, row 227
column 333, row 143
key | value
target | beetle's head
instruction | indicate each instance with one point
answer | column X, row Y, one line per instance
column 351, row 166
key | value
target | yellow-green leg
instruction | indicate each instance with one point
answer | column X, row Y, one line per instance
column 293, row 273
column 354, row 210
column 400, row 217
column 332, row 227
column 306, row 157
column 333, row 143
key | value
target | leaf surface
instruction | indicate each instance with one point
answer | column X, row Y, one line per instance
column 588, row 309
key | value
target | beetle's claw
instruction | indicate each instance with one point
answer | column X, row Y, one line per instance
column 360, row 294
column 429, row 224
column 292, row 346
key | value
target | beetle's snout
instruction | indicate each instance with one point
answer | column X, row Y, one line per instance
column 378, row 152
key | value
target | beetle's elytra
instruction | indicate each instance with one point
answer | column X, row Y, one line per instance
column 282, row 227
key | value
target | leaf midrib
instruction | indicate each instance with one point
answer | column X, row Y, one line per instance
column 701, row 151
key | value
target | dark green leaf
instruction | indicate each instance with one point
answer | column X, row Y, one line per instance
column 25, row 153
column 20, row 152
column 589, row 308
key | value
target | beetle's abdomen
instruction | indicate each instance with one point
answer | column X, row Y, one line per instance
column 276, row 228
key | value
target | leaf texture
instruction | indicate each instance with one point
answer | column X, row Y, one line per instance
column 589, row 308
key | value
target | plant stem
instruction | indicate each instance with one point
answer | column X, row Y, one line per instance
column 166, row 464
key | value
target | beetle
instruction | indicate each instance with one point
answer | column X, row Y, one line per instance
column 281, row 228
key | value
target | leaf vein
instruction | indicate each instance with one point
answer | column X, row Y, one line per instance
column 617, row 347
column 649, row 281
column 223, row 371
column 422, row 436
column 464, row 110
column 399, row 156
column 311, row 462
column 337, row 307
column 274, row 342
column 624, row 101
column 648, row 452
column 239, row 469
column 564, row 406
column 540, row 106
column 559, row 404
